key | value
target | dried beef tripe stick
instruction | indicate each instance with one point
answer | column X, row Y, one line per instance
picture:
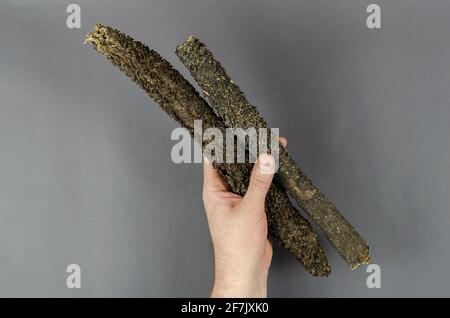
column 232, row 106
column 178, row 98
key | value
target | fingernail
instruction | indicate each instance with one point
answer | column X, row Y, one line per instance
column 266, row 164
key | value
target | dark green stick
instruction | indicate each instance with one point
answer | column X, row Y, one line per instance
column 180, row 100
column 234, row 109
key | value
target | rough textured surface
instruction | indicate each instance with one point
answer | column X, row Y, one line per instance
column 232, row 106
column 181, row 101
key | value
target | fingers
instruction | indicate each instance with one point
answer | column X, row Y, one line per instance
column 260, row 181
column 212, row 180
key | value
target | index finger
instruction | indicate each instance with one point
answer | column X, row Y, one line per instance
column 212, row 180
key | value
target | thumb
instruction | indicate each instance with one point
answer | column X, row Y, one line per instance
column 260, row 180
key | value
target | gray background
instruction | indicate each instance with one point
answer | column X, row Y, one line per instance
column 85, row 169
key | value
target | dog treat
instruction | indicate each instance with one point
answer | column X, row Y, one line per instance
column 179, row 99
column 233, row 108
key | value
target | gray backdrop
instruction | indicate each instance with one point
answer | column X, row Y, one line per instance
column 85, row 169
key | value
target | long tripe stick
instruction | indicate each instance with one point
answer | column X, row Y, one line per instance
column 232, row 106
column 178, row 98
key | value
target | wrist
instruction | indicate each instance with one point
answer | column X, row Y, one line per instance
column 240, row 285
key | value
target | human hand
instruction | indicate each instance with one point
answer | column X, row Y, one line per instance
column 238, row 226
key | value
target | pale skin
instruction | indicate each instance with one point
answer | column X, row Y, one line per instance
column 238, row 227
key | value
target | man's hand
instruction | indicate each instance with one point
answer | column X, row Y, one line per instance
column 238, row 226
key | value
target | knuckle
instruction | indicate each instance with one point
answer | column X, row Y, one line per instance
column 259, row 181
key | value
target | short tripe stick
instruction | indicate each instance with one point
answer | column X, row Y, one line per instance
column 179, row 99
column 234, row 109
